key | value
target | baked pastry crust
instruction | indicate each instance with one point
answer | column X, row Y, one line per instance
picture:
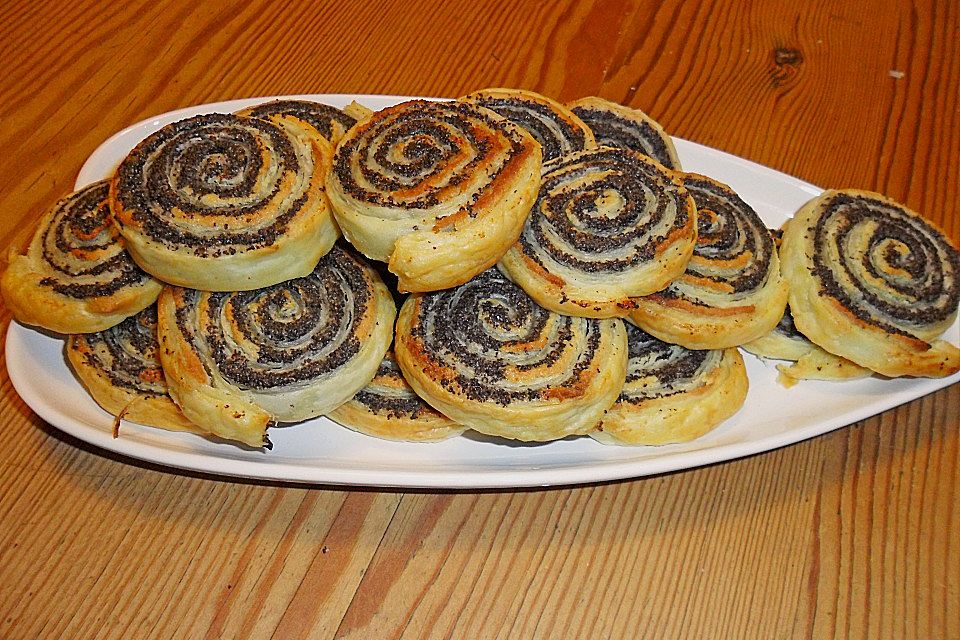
column 438, row 190
column 872, row 281
column 608, row 225
column 553, row 125
column 732, row 291
column 388, row 408
column 809, row 362
column 615, row 125
column 120, row 368
column 237, row 362
column 74, row 275
column 222, row 202
column 486, row 355
column 673, row 394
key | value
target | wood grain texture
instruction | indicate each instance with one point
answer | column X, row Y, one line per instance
column 849, row 535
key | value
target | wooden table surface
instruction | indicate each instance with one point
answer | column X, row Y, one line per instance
column 853, row 534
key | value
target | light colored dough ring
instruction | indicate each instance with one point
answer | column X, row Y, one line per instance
column 732, row 291
column 222, row 202
column 438, row 190
column 330, row 122
column 673, row 394
column 357, row 111
column 873, row 282
column 486, row 355
column 74, row 275
column 237, row 362
column 810, row 362
column 615, row 125
column 389, row 408
column 553, row 125
column 608, row 225
column 120, row 368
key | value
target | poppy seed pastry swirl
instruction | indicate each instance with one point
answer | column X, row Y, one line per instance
column 607, row 225
column 222, row 202
column 615, row 125
column 75, row 276
column 489, row 357
column 731, row 291
column 388, row 408
column 120, row 367
column 438, row 190
column 236, row 362
column 553, row 125
column 673, row 394
column 872, row 281
column 329, row 121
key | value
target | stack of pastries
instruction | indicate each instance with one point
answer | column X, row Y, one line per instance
column 557, row 274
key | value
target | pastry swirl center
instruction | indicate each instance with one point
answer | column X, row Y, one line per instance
column 604, row 211
column 499, row 345
column 285, row 335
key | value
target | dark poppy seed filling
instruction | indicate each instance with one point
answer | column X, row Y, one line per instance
column 602, row 211
column 556, row 135
column 408, row 407
column 656, row 369
column 887, row 267
column 215, row 184
column 285, row 335
column 389, row 394
column 125, row 277
column 388, row 367
column 318, row 115
column 787, row 328
column 127, row 354
column 488, row 329
column 410, row 158
column 613, row 130
column 84, row 248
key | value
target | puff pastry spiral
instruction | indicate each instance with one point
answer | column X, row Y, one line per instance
column 389, row 408
column 222, row 202
column 614, row 125
column 330, row 122
column 486, row 355
column 439, row 190
column 872, row 281
column 236, row 362
column 732, row 290
column 607, row 225
column 673, row 394
column 120, row 367
column 74, row 276
column 553, row 125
